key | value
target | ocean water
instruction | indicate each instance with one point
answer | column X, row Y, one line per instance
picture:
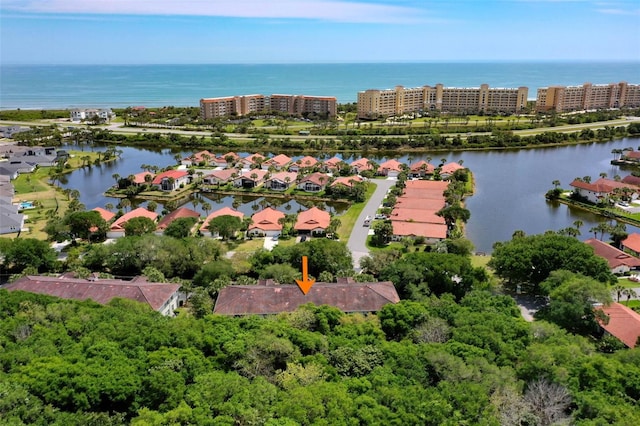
column 119, row 86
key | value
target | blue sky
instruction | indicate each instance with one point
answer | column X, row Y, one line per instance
column 285, row 31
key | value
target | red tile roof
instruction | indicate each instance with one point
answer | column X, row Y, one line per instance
column 100, row 291
column 279, row 160
column 139, row 178
column 417, row 229
column 260, row 174
column 267, row 220
column 612, row 255
column 253, row 158
column 176, row 214
column 631, row 154
column 199, row 156
column 118, row 225
column 176, row 174
column 225, row 211
column 416, row 203
column 602, row 185
column 105, row 214
column 317, row 178
column 632, row 242
column 311, row 219
column 332, row 162
column 390, row 165
column 631, row 180
column 624, row 323
column 361, row 164
column 223, row 175
column 417, row 167
column 282, row 177
column 450, row 168
column 416, row 215
column 347, row 181
column 268, row 300
column 436, row 185
column 306, row 161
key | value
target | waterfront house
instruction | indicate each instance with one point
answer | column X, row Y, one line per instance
column 171, row 180
column 264, row 299
column 230, row 159
column 602, row 188
column 305, row 163
column 315, row 182
column 176, row 214
column 431, row 232
column 312, row 222
column 105, row 114
column 623, row 323
column 162, row 297
column 619, row 261
column 252, row 178
column 105, row 214
column 347, row 181
column 117, row 227
column 225, row 211
column 281, row 181
column 221, row 177
column 360, row 165
column 632, row 244
column 390, row 168
column 279, row 162
column 332, row 164
column 199, row 158
column 266, row 223
column 252, row 161
column 143, row 178
column 449, row 169
column 421, row 169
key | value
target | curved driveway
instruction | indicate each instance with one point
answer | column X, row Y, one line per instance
column 357, row 243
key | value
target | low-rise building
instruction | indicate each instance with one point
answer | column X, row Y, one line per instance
column 623, row 323
column 281, row 181
column 225, row 211
column 174, row 215
column 116, row 229
column 315, row 182
column 266, row 223
column 170, row 180
column 619, row 261
column 279, row 162
column 252, row 178
column 105, row 114
column 312, row 222
column 632, row 244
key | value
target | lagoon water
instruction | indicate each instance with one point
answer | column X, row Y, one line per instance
column 119, row 86
column 510, row 185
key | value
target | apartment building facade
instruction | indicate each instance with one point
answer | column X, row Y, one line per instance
column 400, row 100
column 588, row 96
column 247, row 104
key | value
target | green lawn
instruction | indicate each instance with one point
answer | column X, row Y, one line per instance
column 627, row 283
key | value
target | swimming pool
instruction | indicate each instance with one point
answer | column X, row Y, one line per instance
column 25, row 205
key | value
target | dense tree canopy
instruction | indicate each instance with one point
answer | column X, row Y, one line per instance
column 529, row 260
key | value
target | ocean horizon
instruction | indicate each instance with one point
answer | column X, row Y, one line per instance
column 157, row 85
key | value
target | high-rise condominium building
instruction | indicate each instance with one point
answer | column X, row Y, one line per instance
column 588, row 96
column 374, row 103
column 291, row 104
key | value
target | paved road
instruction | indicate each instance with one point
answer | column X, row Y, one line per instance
column 358, row 239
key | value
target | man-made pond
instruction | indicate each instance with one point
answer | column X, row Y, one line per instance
column 510, row 185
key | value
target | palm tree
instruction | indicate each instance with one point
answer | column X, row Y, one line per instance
column 629, row 292
column 108, row 206
column 556, row 183
column 116, row 177
column 618, row 289
column 206, row 207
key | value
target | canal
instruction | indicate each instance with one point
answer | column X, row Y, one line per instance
column 509, row 185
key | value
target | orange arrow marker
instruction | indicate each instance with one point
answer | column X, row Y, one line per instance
column 305, row 283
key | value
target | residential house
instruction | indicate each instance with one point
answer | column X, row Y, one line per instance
column 631, row 180
column 162, row 297
column 414, row 214
column 266, row 223
column 203, row 157
column 221, row 177
column 281, row 181
column 225, row 211
column 315, row 182
column 632, row 244
column 601, row 189
column 312, row 221
column 252, row 161
column 347, row 181
column 421, row 169
column 431, row 232
column 390, row 168
column 170, row 180
column 360, row 165
column 11, row 221
column 449, row 169
column 619, row 261
column 623, row 324
column 105, row 214
column 332, row 165
column 117, row 227
column 10, row 131
column 105, row 114
column 176, row 214
column 230, row 159
column 305, row 163
column 142, row 179
column 279, row 162
column 274, row 299
column 250, row 178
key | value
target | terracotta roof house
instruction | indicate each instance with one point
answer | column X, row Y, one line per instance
column 619, row 261
column 279, row 162
column 220, row 177
column 424, row 194
column 360, row 165
column 416, row 215
column 117, row 228
column 416, row 203
column 632, row 243
column 227, row 160
column 204, row 157
column 313, row 221
column 161, row 297
column 266, row 223
column 448, row 169
column 435, row 185
column 631, row 155
column 253, row 160
column 273, row 299
column 281, row 181
column 225, row 211
column 601, row 188
column 631, row 180
column 306, row 162
column 176, row 214
column 421, row 169
column 141, row 178
column 315, row 182
column 331, row 164
column 347, row 181
column 624, row 324
column 250, row 178
column 170, row 180
column 390, row 168
column 105, row 214
column 432, row 232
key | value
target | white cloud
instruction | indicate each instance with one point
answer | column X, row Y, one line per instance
column 612, row 11
column 326, row 10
